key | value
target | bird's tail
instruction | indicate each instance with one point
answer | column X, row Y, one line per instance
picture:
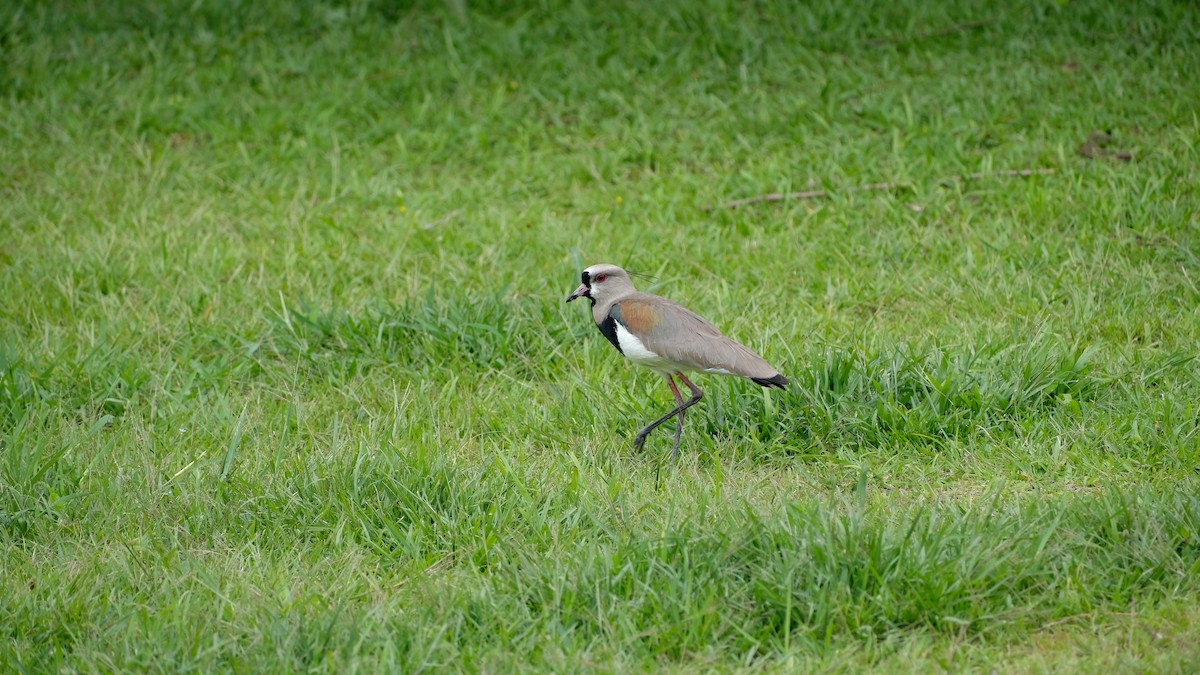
column 778, row 381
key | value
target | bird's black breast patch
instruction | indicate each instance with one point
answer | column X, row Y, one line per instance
column 608, row 327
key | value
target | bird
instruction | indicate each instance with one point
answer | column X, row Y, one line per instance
column 656, row 333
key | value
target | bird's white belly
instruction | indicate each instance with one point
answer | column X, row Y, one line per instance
column 635, row 351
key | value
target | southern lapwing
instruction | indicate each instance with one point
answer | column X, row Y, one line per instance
column 667, row 338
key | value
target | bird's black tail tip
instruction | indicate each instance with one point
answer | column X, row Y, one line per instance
column 778, row 381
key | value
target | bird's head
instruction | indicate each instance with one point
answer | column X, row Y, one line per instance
column 601, row 282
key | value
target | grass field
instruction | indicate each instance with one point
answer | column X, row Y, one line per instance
column 287, row 382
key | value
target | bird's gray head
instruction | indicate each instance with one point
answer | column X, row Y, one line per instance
column 601, row 282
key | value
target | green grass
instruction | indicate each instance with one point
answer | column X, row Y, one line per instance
column 287, row 382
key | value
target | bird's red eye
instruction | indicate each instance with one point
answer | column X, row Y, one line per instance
column 600, row 278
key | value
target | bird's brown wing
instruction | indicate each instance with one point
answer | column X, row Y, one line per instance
column 680, row 335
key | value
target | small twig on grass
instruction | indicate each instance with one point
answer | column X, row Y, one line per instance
column 772, row 197
column 816, row 194
column 979, row 175
column 807, row 194
column 957, row 28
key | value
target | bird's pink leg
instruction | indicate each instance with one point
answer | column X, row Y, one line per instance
column 696, row 393
column 678, row 410
column 679, row 419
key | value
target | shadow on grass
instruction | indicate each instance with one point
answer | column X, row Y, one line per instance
column 915, row 395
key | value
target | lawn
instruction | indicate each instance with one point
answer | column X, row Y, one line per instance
column 287, row 381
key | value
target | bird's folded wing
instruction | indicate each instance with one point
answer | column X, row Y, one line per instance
column 680, row 335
